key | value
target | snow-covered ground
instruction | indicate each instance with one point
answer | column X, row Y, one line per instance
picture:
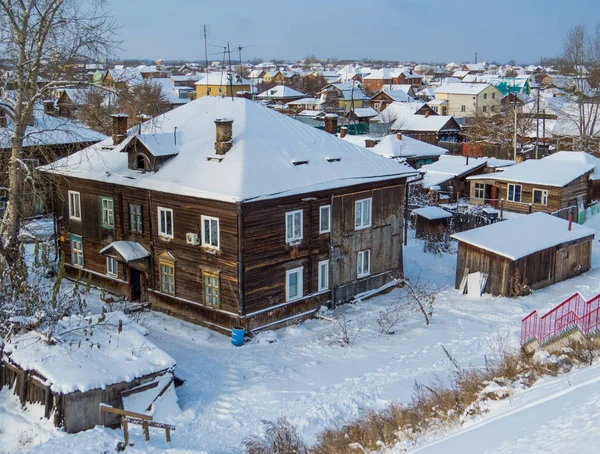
column 306, row 374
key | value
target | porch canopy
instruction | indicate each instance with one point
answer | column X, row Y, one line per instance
column 129, row 251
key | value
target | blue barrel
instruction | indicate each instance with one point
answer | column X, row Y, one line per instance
column 237, row 336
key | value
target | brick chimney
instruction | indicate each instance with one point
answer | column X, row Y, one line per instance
column 399, row 136
column 369, row 143
column 3, row 119
column 119, row 129
column 224, row 135
column 343, row 132
column 427, row 114
column 331, row 123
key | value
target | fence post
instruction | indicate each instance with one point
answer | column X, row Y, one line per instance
column 502, row 208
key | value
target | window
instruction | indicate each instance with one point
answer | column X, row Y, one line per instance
column 111, row 266
column 108, row 212
column 485, row 96
column 325, row 219
column 140, row 162
column 167, row 277
column 540, row 197
column 479, row 191
column 323, row 275
column 74, row 206
column 135, row 218
column 463, row 108
column 362, row 214
column 484, row 108
column 293, row 226
column 494, row 95
column 165, row 222
column 293, row 284
column 210, row 232
column 493, row 108
column 514, row 192
column 212, row 295
column 77, row 251
column 363, row 267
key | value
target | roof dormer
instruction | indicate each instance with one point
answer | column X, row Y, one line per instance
column 148, row 152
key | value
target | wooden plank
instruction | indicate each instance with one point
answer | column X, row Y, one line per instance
column 117, row 411
column 146, row 430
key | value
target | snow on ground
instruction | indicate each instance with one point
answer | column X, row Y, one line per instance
column 556, row 415
column 304, row 373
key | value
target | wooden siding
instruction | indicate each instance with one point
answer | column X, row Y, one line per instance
column 265, row 254
column 537, row 270
column 558, row 198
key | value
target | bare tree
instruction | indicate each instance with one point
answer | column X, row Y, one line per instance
column 44, row 38
column 581, row 62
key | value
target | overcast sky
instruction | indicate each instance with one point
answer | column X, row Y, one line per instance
column 421, row 30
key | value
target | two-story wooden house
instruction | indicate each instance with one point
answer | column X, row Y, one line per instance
column 226, row 213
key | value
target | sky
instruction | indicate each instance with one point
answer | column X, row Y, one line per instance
column 403, row 30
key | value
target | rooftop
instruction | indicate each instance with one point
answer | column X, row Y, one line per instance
column 260, row 163
column 520, row 236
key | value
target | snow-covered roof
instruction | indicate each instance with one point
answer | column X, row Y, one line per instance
column 169, row 91
column 391, row 147
column 432, row 213
column 495, row 163
column 454, row 166
column 260, row 163
column 76, row 363
column 521, row 236
column 305, row 101
column 462, row 89
column 432, row 123
column 222, row 78
column 49, row 130
column 580, row 157
column 129, row 250
column 348, row 92
column 399, row 95
column 397, row 110
column 406, row 88
column 280, row 92
column 557, row 173
column 364, row 112
column 311, row 113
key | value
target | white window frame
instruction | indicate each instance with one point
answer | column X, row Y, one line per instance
column 326, row 208
column 112, row 267
column 361, row 270
column 74, row 209
column 109, row 211
column 322, row 286
column 479, row 191
column 544, row 196
column 170, row 277
column 514, row 192
column 160, row 232
column 292, row 237
column 77, row 252
column 207, row 242
column 358, row 205
column 288, row 273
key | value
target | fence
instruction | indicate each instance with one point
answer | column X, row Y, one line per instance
column 574, row 312
column 579, row 216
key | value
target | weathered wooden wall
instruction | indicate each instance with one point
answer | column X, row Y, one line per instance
column 536, row 270
column 558, row 198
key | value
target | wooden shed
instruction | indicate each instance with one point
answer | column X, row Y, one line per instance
column 88, row 363
column 431, row 222
column 537, row 250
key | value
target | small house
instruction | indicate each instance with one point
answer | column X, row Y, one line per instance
column 88, row 362
column 431, row 222
column 281, row 94
column 429, row 128
column 532, row 251
column 547, row 185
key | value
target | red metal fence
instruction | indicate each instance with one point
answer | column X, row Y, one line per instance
column 574, row 312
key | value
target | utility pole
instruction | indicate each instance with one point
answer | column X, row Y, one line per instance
column 206, row 59
column 537, row 126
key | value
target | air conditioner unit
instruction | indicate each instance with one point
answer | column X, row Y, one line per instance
column 192, row 238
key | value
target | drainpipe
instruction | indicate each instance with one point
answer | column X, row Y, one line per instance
column 240, row 222
column 331, row 250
